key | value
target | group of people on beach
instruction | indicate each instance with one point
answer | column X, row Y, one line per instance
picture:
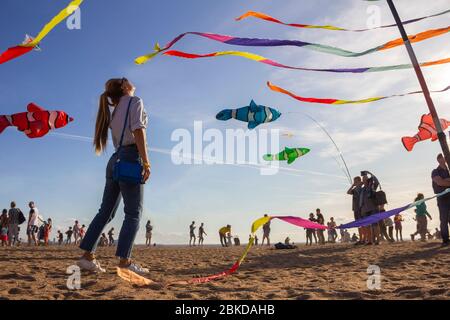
column 38, row 230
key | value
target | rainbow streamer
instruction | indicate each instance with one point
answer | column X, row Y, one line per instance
column 24, row 48
column 339, row 101
column 261, row 59
column 263, row 16
column 255, row 42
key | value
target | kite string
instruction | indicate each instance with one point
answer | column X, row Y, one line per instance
column 346, row 171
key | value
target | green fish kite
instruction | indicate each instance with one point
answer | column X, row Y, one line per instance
column 289, row 154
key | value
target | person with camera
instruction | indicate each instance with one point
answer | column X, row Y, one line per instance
column 355, row 192
column 369, row 206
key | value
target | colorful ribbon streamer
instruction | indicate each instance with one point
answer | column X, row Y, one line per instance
column 255, row 42
column 263, row 16
column 339, row 101
column 261, row 59
column 22, row 49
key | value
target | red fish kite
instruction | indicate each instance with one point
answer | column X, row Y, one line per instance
column 427, row 130
column 35, row 123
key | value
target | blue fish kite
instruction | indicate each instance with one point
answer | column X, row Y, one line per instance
column 253, row 114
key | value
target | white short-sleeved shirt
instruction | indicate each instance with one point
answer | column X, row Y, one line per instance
column 34, row 221
column 137, row 119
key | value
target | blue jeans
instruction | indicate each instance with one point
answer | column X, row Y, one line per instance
column 133, row 203
column 444, row 215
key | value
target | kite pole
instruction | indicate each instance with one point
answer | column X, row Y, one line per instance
column 423, row 84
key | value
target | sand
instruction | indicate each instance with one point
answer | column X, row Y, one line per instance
column 409, row 270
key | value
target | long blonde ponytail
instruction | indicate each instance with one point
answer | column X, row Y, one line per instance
column 113, row 92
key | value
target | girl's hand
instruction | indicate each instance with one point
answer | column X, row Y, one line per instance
column 146, row 173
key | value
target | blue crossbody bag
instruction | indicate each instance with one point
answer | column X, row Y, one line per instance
column 127, row 171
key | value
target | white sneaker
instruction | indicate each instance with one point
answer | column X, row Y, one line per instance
column 138, row 269
column 92, row 266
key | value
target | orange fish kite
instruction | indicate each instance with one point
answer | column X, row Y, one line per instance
column 427, row 130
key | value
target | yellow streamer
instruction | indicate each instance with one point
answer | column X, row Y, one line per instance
column 66, row 12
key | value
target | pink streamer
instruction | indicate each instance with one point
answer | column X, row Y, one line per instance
column 303, row 223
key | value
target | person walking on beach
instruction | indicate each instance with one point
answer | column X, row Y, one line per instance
column 82, row 232
column 60, row 238
column 398, row 227
column 76, row 232
column 355, row 191
column 4, row 228
column 266, row 232
column 148, row 233
column 192, row 237
column 421, row 219
column 33, row 224
column 201, row 233
column 47, row 230
column 111, row 237
column 320, row 220
column 69, row 234
column 128, row 124
column 16, row 218
column 441, row 181
column 223, row 233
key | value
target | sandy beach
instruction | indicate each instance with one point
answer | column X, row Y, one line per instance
column 409, row 270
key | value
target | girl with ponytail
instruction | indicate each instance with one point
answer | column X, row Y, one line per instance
column 128, row 124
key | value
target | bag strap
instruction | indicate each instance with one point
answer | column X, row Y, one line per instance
column 125, row 124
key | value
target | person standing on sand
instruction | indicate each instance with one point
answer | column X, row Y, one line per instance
column 441, row 181
column 201, row 233
column 390, row 227
column 192, row 237
column 148, row 233
column 368, row 208
column 76, row 232
column 398, row 227
column 128, row 124
column 111, row 237
column 4, row 227
column 223, row 232
column 332, row 230
column 47, row 230
column 355, row 192
column 313, row 231
column 421, row 219
column 15, row 215
column 310, row 232
column 320, row 220
column 33, row 224
column 69, row 234
column 60, row 238
column 82, row 232
column 437, row 234
column 266, row 232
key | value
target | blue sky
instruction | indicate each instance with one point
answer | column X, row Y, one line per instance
column 65, row 178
